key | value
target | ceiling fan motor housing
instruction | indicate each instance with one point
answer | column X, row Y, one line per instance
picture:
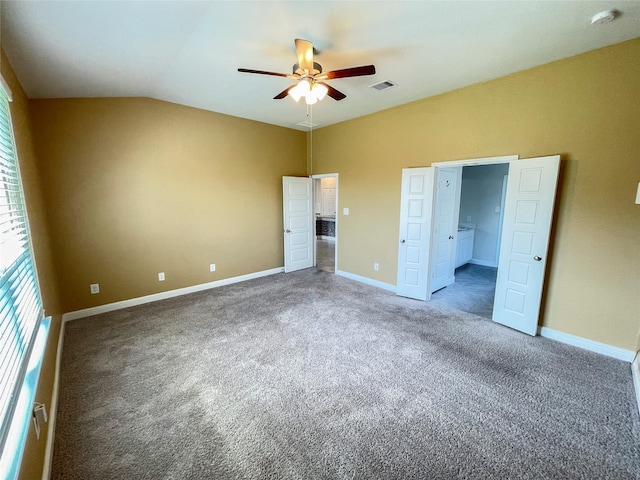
column 317, row 68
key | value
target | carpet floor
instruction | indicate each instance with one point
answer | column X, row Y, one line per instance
column 310, row 375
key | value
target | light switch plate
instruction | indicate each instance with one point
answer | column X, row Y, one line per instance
column 345, row 211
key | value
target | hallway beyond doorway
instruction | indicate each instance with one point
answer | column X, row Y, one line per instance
column 325, row 255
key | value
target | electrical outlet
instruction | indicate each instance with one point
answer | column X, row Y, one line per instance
column 376, row 267
column 468, row 218
column 212, row 267
column 161, row 277
column 94, row 288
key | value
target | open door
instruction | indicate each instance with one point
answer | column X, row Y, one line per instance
column 531, row 189
column 416, row 212
column 445, row 226
column 297, row 198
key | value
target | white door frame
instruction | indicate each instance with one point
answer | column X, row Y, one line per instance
column 472, row 162
column 477, row 161
column 313, row 183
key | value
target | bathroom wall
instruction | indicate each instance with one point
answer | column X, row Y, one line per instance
column 480, row 198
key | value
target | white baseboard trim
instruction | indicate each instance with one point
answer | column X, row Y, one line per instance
column 368, row 281
column 110, row 307
column 326, row 237
column 591, row 345
column 635, row 371
column 484, row 263
column 53, row 410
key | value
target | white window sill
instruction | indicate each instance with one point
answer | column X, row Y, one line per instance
column 14, row 446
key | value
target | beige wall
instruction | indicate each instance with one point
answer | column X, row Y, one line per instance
column 586, row 108
column 139, row 186
column 33, row 458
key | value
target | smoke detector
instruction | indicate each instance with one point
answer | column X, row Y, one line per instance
column 604, row 17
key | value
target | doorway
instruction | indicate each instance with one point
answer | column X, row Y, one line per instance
column 325, row 208
column 481, row 198
column 526, row 227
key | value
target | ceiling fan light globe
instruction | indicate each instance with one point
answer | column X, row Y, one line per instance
column 310, row 99
column 295, row 93
column 320, row 91
column 304, row 87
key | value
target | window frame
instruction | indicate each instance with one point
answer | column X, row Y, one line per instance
column 23, row 328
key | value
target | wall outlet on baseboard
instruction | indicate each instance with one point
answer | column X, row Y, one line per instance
column 212, row 267
column 161, row 277
column 94, row 288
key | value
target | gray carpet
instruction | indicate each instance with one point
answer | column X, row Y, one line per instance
column 473, row 291
column 312, row 376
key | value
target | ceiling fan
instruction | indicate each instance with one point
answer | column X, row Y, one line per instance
column 310, row 78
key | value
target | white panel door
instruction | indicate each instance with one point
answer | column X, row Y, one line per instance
column 416, row 208
column 445, row 228
column 297, row 198
column 531, row 190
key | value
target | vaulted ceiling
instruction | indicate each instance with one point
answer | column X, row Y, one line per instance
column 189, row 52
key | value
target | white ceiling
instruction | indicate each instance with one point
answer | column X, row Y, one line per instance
column 189, row 52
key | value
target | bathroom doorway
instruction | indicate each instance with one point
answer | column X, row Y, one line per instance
column 325, row 208
column 481, row 205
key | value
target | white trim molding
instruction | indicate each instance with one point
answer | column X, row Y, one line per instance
column 477, row 161
column 586, row 344
column 110, row 307
column 635, row 372
column 53, row 409
column 368, row 281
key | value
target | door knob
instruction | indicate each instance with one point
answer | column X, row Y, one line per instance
column 402, row 240
column 537, row 258
column 287, row 231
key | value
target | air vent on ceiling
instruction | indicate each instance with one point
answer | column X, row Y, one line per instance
column 383, row 85
column 307, row 124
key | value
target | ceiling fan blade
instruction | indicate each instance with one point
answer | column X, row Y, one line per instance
column 304, row 50
column 348, row 72
column 262, row 72
column 333, row 93
column 284, row 93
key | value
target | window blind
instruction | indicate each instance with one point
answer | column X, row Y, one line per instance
column 20, row 302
